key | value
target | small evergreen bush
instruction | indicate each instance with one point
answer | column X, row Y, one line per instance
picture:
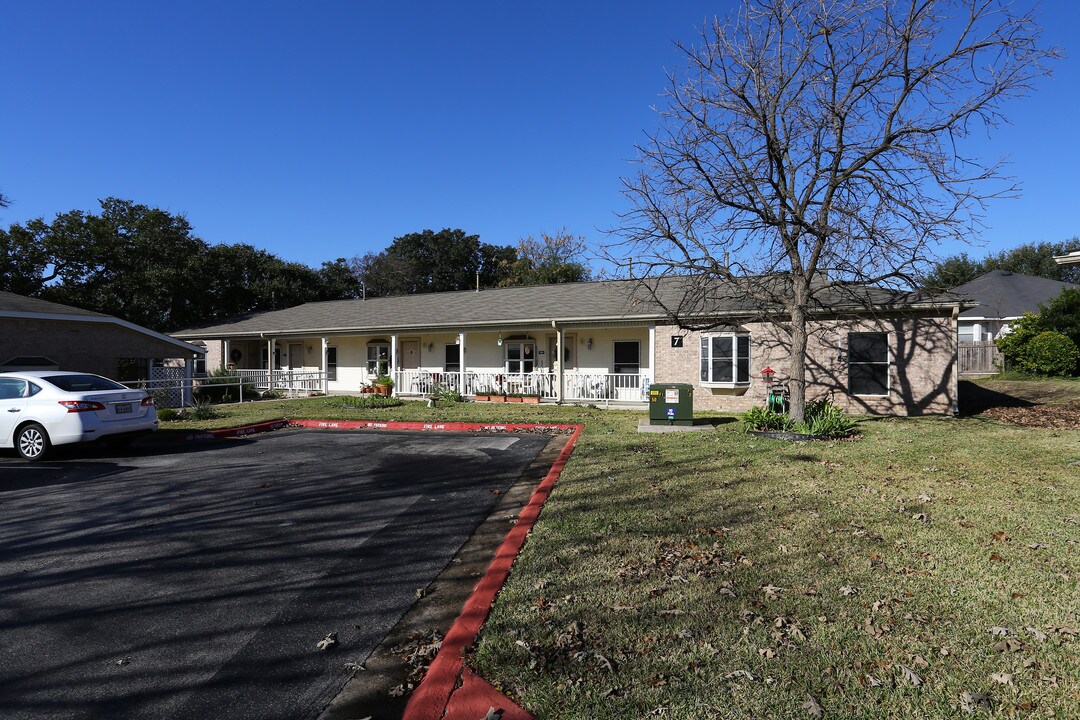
column 1052, row 353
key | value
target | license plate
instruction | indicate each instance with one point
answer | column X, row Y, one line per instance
column 125, row 408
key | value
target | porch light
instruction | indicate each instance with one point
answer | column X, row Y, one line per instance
column 499, row 341
column 430, row 346
column 588, row 344
column 767, row 374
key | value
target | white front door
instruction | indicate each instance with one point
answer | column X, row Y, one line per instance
column 410, row 354
column 296, row 356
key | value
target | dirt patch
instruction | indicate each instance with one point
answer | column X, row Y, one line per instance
column 1060, row 417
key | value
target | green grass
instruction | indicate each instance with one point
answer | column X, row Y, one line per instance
column 665, row 567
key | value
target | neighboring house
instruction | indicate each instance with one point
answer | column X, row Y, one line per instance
column 599, row 342
column 1003, row 297
column 37, row 334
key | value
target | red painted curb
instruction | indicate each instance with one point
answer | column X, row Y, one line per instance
column 430, row 700
column 476, row 696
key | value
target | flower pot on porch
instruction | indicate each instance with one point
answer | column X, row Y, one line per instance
column 511, row 398
column 530, row 399
column 383, row 390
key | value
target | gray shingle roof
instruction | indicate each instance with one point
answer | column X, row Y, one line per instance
column 10, row 302
column 605, row 301
column 1004, row 294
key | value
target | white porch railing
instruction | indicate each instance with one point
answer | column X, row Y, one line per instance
column 603, row 387
column 289, row 381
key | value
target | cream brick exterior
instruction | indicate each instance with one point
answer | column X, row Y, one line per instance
column 88, row 346
column 922, row 353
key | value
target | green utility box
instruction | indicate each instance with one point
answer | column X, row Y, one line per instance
column 671, row 404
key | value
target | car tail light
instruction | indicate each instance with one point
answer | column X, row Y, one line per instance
column 74, row 406
column 147, row 401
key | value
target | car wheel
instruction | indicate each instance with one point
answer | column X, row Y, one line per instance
column 32, row 442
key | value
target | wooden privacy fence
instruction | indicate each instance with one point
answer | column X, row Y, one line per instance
column 979, row 358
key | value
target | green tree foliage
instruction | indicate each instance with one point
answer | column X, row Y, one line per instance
column 1048, row 355
column 1031, row 259
column 430, row 261
column 145, row 265
column 557, row 258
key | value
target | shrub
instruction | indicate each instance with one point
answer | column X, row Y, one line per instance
column 272, row 395
column 1052, row 353
column 202, row 410
column 825, row 420
column 446, row 394
column 167, row 414
column 1014, row 345
column 766, row 420
column 822, row 420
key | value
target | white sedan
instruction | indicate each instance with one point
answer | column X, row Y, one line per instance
column 48, row 407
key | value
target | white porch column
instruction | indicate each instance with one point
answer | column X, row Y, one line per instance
column 560, row 340
column 270, row 363
column 324, row 369
column 461, row 360
column 225, row 352
column 392, row 370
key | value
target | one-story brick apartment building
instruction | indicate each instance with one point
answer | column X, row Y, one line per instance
column 885, row 352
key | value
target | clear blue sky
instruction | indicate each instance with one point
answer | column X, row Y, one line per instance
column 325, row 129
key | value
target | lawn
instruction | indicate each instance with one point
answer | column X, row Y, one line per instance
column 927, row 569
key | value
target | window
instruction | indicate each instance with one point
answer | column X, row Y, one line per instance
column 520, row 357
column 452, row 359
column 868, row 363
column 200, row 365
column 378, row 359
column 11, row 389
column 967, row 333
column 725, row 359
column 627, row 356
column 331, row 364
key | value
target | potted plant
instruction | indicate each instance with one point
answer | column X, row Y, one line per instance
column 513, row 397
column 484, row 395
column 531, row 398
column 384, row 384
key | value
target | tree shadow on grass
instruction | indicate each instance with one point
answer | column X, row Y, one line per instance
column 975, row 399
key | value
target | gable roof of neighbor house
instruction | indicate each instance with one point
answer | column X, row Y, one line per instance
column 1003, row 294
column 609, row 301
column 20, row 306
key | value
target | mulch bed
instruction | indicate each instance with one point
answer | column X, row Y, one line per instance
column 1058, row 417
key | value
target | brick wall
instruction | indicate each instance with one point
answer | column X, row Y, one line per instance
column 93, row 347
column 921, row 372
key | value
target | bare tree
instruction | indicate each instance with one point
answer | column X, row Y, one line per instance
column 816, row 143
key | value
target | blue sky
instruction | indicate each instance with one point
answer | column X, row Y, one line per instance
column 325, row 129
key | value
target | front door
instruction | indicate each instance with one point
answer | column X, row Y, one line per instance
column 296, row 356
column 568, row 352
column 410, row 355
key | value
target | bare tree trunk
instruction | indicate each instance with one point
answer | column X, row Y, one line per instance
column 797, row 382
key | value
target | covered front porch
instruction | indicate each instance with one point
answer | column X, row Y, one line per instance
column 612, row 363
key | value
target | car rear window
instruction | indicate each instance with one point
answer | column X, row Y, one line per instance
column 82, row 383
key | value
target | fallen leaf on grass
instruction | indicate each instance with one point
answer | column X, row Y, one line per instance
column 738, row 674
column 1000, row 631
column 327, row 642
column 813, row 707
column 1037, row 633
column 973, row 702
column 848, row 591
column 1000, row 536
column 1002, row 678
column 1009, row 645
column 921, row 517
column 1037, row 546
column 492, row 714
column 910, row 676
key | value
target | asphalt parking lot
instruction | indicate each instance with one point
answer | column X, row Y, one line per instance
column 196, row 581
